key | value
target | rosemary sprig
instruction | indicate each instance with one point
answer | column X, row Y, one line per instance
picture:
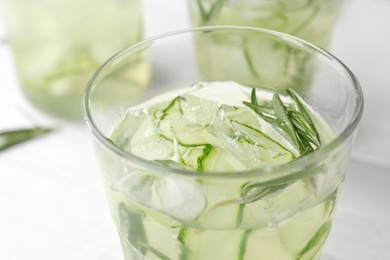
column 292, row 121
column 307, row 121
column 11, row 138
column 296, row 125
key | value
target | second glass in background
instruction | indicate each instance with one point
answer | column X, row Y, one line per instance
column 311, row 20
column 58, row 45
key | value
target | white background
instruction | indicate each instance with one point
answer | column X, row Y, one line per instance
column 51, row 200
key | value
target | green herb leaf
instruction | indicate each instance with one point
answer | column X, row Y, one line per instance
column 260, row 134
column 292, row 121
column 308, row 121
column 254, row 97
column 256, row 191
column 243, row 243
column 283, row 121
column 11, row 138
column 264, row 112
column 315, row 242
column 302, row 126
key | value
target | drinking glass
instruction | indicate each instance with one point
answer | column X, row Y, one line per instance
column 58, row 44
column 162, row 211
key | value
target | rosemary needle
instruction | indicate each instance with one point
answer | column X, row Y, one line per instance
column 14, row 137
column 294, row 122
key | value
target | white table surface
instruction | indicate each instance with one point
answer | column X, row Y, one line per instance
column 52, row 204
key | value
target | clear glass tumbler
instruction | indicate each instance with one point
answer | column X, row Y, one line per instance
column 187, row 178
column 58, row 44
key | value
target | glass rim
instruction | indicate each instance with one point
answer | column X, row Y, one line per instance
column 278, row 170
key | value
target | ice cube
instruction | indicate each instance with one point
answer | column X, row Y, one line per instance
column 223, row 92
column 239, row 131
column 179, row 198
column 136, row 185
column 231, row 139
column 182, row 199
column 152, row 143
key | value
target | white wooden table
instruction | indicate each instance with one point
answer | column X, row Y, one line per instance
column 52, row 204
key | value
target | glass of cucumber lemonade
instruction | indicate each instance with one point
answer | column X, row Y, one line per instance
column 221, row 166
column 58, row 44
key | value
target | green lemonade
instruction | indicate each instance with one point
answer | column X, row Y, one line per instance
column 58, row 45
column 221, row 128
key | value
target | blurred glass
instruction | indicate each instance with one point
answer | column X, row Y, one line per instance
column 311, row 20
column 58, row 44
